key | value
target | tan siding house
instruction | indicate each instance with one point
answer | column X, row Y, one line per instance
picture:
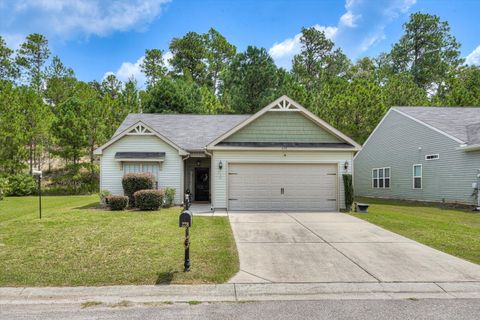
column 281, row 158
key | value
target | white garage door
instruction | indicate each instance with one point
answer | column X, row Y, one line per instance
column 296, row 187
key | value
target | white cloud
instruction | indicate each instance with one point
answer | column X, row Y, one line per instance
column 65, row 18
column 360, row 27
column 284, row 51
column 474, row 57
column 349, row 19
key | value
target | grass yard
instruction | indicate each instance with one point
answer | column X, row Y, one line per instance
column 456, row 232
column 76, row 243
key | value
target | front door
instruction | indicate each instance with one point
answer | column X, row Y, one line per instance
column 202, row 184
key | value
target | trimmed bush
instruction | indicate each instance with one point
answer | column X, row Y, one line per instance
column 348, row 187
column 134, row 182
column 21, row 184
column 149, row 199
column 169, row 197
column 117, row 203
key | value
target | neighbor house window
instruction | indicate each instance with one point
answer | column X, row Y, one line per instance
column 381, row 178
column 417, row 176
column 432, row 156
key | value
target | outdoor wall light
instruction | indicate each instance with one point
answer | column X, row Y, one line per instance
column 198, row 163
column 345, row 165
column 220, row 165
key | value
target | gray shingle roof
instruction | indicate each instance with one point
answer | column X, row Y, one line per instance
column 451, row 120
column 188, row 131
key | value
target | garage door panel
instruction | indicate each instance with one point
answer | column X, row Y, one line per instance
column 305, row 187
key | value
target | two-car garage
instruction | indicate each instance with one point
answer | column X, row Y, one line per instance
column 283, row 186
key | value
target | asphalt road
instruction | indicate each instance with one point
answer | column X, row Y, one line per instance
column 327, row 309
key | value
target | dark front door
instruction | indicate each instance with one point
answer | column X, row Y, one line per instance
column 202, row 184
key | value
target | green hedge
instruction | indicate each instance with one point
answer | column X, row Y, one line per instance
column 134, row 182
column 117, row 203
column 149, row 199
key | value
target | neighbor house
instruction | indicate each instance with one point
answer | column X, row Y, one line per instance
column 422, row 153
column 281, row 158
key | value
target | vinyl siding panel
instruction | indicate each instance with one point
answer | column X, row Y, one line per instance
column 170, row 172
column 282, row 127
column 220, row 177
column 399, row 143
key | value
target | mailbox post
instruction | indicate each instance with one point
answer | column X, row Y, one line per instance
column 185, row 221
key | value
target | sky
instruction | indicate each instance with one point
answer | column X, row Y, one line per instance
column 98, row 37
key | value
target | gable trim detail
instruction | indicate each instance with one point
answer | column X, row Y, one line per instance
column 285, row 104
column 139, row 128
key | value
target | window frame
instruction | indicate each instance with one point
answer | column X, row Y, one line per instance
column 382, row 178
column 436, row 155
column 415, row 176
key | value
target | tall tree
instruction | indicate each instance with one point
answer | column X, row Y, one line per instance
column 427, row 50
column 8, row 68
column 31, row 57
column 219, row 55
column 461, row 88
column 39, row 119
column 190, row 57
column 72, row 129
column 60, row 83
column 13, row 136
column 318, row 59
column 153, row 66
column 250, row 81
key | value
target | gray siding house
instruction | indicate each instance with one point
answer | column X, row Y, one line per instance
column 422, row 153
column 281, row 158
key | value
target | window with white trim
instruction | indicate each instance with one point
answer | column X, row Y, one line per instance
column 381, row 178
column 417, row 176
column 432, row 156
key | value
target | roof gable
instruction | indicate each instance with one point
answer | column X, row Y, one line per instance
column 139, row 129
column 307, row 128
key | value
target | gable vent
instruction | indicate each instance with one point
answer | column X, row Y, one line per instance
column 284, row 105
column 140, row 130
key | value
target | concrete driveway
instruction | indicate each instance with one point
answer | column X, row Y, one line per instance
column 335, row 247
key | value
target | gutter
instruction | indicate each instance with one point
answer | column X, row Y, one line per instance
column 467, row 148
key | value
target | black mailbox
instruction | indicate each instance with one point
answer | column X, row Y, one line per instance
column 186, row 219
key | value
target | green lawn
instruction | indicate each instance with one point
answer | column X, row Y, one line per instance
column 77, row 244
column 456, row 232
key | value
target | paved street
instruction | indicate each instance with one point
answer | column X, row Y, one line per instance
column 324, row 309
column 284, row 247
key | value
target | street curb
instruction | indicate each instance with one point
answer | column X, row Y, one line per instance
column 241, row 292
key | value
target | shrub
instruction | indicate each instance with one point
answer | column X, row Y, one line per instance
column 21, row 184
column 134, row 182
column 4, row 187
column 117, row 202
column 149, row 199
column 348, row 187
column 169, row 197
column 104, row 194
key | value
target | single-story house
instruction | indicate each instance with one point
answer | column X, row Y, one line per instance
column 281, row 158
column 422, row 153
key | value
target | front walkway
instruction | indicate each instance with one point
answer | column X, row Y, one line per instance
column 319, row 247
